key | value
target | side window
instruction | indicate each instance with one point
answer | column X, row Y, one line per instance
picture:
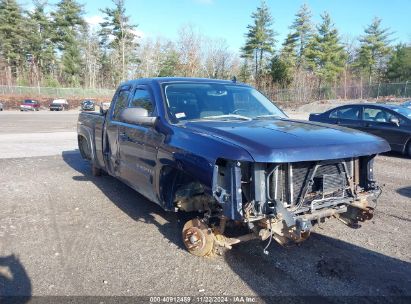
column 334, row 114
column 142, row 99
column 120, row 103
column 351, row 113
column 377, row 115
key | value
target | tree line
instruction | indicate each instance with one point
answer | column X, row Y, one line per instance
column 55, row 46
column 317, row 56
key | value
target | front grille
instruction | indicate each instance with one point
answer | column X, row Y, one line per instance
column 290, row 183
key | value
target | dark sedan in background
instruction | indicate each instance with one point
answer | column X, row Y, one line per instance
column 88, row 105
column 407, row 104
column 391, row 122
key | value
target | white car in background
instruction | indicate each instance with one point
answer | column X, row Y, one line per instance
column 59, row 105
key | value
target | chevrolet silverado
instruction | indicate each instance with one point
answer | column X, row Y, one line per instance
column 222, row 151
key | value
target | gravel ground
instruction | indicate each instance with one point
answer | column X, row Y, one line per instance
column 64, row 232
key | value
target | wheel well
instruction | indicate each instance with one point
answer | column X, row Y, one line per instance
column 407, row 146
column 180, row 190
column 84, row 147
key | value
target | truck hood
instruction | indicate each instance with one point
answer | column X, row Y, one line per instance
column 285, row 140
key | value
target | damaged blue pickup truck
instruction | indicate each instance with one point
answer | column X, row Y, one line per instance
column 222, row 151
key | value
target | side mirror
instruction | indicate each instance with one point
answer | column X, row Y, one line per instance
column 395, row 121
column 137, row 116
column 104, row 106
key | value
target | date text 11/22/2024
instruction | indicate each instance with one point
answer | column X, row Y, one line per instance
column 204, row 299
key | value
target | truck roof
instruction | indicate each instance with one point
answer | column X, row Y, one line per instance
column 177, row 79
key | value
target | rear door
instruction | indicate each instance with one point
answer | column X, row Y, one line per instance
column 377, row 120
column 139, row 146
column 347, row 116
column 113, row 123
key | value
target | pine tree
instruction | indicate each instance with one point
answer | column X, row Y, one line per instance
column 374, row 48
column 124, row 44
column 169, row 66
column 244, row 74
column 399, row 65
column 68, row 23
column 260, row 38
column 280, row 71
column 71, row 61
column 12, row 37
column 283, row 66
column 325, row 54
column 302, row 31
column 39, row 42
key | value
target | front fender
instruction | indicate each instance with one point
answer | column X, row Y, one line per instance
column 193, row 155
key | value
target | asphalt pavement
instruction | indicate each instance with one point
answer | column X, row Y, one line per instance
column 64, row 232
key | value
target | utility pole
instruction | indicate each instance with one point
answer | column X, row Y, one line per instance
column 361, row 88
column 378, row 91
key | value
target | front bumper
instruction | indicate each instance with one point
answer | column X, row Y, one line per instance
column 27, row 108
column 287, row 200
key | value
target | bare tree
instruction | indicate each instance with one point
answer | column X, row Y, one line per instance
column 217, row 58
column 189, row 46
column 351, row 49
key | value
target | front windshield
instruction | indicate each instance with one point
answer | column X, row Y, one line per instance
column 214, row 101
column 404, row 111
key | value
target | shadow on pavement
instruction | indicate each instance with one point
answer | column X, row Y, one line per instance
column 15, row 284
column 395, row 154
column 319, row 266
column 129, row 201
column 406, row 191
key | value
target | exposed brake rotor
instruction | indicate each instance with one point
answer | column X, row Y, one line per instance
column 198, row 238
